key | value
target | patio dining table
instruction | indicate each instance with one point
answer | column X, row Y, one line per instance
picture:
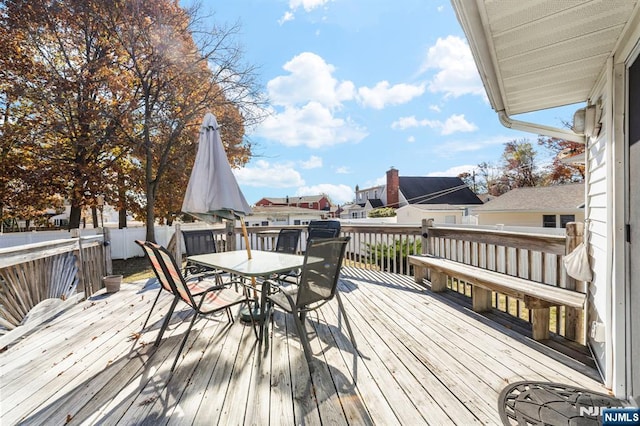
column 262, row 264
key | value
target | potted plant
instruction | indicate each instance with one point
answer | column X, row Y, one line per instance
column 112, row 283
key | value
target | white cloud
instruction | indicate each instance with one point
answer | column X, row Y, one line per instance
column 457, row 123
column 383, row 94
column 313, row 126
column 266, row 175
column 339, row 194
column 343, row 170
column 411, row 139
column 288, row 16
column 408, row 122
column 454, row 171
column 457, row 74
column 453, row 124
column 306, row 104
column 312, row 163
column 435, row 108
column 310, row 79
column 307, row 5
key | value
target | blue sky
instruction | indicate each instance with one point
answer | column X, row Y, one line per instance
column 359, row 86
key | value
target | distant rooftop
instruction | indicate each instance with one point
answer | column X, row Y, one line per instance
column 568, row 197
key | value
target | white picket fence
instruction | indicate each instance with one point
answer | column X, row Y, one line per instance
column 123, row 244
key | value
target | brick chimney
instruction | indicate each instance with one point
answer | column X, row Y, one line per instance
column 393, row 188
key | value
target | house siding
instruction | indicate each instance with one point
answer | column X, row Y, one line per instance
column 522, row 218
column 598, row 200
column 411, row 215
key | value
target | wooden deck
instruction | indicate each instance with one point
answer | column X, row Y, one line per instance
column 421, row 359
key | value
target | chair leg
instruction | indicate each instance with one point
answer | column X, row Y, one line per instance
column 165, row 323
column 302, row 332
column 184, row 340
column 346, row 320
column 151, row 310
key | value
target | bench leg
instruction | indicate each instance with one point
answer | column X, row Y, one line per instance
column 438, row 281
column 540, row 323
column 481, row 299
column 419, row 273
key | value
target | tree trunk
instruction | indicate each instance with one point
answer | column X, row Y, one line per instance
column 122, row 201
column 94, row 217
column 151, row 202
column 74, row 217
column 122, row 218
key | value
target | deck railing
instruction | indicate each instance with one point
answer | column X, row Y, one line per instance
column 530, row 255
column 56, row 269
column 29, row 274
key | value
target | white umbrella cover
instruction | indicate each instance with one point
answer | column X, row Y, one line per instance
column 213, row 193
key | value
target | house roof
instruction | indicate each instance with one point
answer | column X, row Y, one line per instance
column 558, row 198
column 258, row 210
column 542, row 54
column 436, row 190
column 295, row 200
column 375, row 202
column 432, row 207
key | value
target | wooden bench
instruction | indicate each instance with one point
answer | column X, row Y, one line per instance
column 537, row 296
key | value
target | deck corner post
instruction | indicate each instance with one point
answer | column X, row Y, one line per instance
column 178, row 240
column 574, row 321
column 106, row 244
column 231, row 235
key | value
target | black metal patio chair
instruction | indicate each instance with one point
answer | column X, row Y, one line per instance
column 200, row 241
column 318, row 285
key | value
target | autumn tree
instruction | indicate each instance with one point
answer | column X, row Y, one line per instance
column 559, row 171
column 22, row 192
column 80, row 101
column 176, row 80
column 519, row 164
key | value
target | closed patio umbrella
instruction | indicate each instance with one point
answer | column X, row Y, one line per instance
column 213, row 193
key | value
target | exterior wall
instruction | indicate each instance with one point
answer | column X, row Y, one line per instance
column 362, row 195
column 282, row 219
column 321, row 204
column 521, row 219
column 410, row 215
column 597, row 202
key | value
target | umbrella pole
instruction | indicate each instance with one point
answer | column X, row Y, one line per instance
column 246, row 243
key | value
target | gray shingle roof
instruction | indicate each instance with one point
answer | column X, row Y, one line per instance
column 542, row 198
column 436, row 190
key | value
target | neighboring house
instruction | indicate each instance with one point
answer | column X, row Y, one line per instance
column 401, row 191
column 405, row 190
column 283, row 216
column 367, row 199
column 440, row 213
column 548, row 206
column 545, row 54
column 315, row 202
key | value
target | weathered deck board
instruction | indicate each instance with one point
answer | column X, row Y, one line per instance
column 421, row 359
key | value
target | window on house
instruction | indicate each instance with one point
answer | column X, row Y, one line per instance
column 354, row 215
column 549, row 220
column 566, row 218
column 264, row 223
column 296, row 221
column 450, row 219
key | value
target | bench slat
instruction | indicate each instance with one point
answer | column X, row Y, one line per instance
column 502, row 283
